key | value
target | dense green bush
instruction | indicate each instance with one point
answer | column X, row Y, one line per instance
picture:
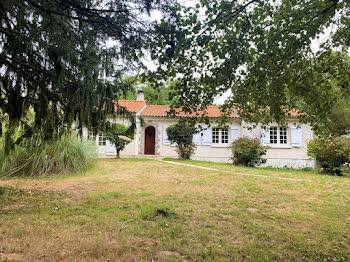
column 330, row 153
column 182, row 134
column 248, row 152
column 33, row 157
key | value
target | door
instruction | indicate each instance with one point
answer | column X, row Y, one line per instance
column 150, row 140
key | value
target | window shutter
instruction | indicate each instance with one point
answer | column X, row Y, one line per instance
column 197, row 138
column 235, row 133
column 165, row 136
column 110, row 148
column 206, row 138
column 265, row 136
column 296, row 136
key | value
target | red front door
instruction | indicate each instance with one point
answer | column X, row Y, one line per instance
column 150, row 140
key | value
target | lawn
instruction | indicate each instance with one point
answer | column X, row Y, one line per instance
column 147, row 210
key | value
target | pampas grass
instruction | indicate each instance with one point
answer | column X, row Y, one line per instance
column 68, row 154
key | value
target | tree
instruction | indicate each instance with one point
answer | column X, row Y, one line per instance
column 120, row 135
column 54, row 60
column 261, row 52
column 182, row 134
column 154, row 95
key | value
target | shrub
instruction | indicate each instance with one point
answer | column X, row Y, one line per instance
column 33, row 157
column 182, row 134
column 248, row 152
column 331, row 153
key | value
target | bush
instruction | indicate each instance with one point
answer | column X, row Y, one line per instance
column 182, row 134
column 248, row 152
column 33, row 157
column 331, row 153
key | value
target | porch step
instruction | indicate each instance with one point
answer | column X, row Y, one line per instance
column 150, row 156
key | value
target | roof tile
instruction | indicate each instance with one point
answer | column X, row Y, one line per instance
column 130, row 105
column 162, row 111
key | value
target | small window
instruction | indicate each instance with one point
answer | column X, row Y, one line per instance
column 220, row 135
column 101, row 140
column 91, row 136
column 278, row 135
column 216, row 134
column 283, row 135
column 224, row 136
column 273, row 135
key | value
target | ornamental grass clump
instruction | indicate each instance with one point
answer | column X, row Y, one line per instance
column 248, row 152
column 33, row 157
column 331, row 153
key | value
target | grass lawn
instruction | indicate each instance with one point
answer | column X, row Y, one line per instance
column 146, row 210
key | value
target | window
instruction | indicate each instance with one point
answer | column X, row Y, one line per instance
column 216, row 134
column 278, row 135
column 101, row 140
column 224, row 136
column 283, row 135
column 91, row 136
column 220, row 135
column 273, row 135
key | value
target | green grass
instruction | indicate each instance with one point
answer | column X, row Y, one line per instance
column 176, row 213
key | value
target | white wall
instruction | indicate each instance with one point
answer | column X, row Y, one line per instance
column 277, row 155
column 130, row 149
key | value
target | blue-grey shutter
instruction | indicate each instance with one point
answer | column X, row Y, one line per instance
column 296, row 136
column 235, row 133
column 206, row 138
column 165, row 136
column 197, row 138
column 110, row 148
column 265, row 136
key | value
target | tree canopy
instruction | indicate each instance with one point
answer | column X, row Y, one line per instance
column 54, row 59
column 263, row 52
column 120, row 135
column 154, row 95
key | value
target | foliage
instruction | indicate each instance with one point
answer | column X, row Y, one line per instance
column 248, row 152
column 182, row 134
column 55, row 60
column 262, row 52
column 117, row 130
column 340, row 116
column 154, row 95
column 330, row 152
column 34, row 157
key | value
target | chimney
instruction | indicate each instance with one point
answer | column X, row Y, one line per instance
column 140, row 96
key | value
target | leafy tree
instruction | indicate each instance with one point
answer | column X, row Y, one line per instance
column 261, row 52
column 154, row 95
column 120, row 135
column 330, row 152
column 182, row 134
column 54, row 59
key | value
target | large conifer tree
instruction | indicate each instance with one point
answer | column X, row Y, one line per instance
column 54, row 60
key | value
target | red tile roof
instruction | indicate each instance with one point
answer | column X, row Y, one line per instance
column 130, row 105
column 162, row 111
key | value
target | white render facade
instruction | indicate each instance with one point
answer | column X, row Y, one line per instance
column 287, row 145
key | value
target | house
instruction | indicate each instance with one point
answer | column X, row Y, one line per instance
column 287, row 145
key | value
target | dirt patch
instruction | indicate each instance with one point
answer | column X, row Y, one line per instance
column 12, row 257
column 168, row 254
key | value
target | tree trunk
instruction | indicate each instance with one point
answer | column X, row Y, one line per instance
column 118, row 153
